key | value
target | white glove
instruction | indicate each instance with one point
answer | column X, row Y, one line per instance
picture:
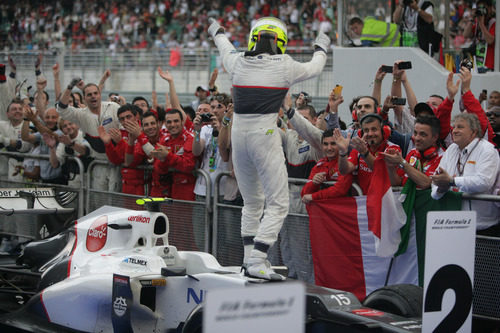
column 322, row 41
column 214, row 27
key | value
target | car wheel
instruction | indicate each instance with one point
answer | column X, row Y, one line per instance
column 194, row 321
column 401, row 299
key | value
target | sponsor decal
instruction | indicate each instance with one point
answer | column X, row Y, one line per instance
column 193, row 296
column 304, row 149
column 120, row 279
column 413, row 160
column 120, row 306
column 107, row 121
column 139, row 218
column 154, row 283
column 14, row 193
column 97, row 234
column 135, row 261
column 368, row 312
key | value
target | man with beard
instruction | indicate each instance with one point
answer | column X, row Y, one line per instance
column 422, row 161
column 372, row 140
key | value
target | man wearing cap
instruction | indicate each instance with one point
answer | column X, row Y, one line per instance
column 302, row 99
column 261, row 78
column 202, row 92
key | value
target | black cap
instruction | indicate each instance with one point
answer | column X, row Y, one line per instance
column 423, row 107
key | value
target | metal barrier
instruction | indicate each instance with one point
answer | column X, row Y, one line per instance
column 221, row 231
column 80, row 189
column 31, row 223
column 190, row 221
column 226, row 241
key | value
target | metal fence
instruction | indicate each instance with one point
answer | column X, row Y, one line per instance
column 134, row 71
column 214, row 226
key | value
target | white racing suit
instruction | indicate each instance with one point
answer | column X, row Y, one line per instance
column 260, row 84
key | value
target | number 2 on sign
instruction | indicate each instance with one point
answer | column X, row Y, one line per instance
column 457, row 279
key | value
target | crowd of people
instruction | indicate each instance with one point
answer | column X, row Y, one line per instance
column 144, row 24
column 174, row 140
column 127, row 24
column 259, row 146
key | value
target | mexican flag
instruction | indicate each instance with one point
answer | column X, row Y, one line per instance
column 344, row 247
column 385, row 213
column 417, row 203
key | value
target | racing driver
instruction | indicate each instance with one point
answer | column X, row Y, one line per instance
column 261, row 77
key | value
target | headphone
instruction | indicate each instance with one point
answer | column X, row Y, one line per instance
column 386, row 130
column 429, row 153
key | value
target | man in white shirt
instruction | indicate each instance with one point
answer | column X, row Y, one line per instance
column 96, row 113
column 470, row 165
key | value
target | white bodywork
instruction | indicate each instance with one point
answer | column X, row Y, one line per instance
column 83, row 300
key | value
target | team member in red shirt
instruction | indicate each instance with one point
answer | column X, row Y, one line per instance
column 326, row 170
column 421, row 161
column 173, row 161
column 371, row 141
column 174, row 157
column 116, row 143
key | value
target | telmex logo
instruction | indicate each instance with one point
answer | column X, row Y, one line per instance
column 97, row 234
column 138, row 218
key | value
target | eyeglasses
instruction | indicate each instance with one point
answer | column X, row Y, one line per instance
column 219, row 98
column 218, row 106
column 493, row 114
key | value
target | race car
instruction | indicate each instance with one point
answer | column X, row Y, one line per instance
column 114, row 270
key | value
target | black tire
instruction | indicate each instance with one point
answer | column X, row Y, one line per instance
column 194, row 321
column 401, row 299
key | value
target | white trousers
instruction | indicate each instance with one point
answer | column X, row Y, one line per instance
column 259, row 166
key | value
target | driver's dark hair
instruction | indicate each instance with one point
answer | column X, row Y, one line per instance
column 326, row 134
column 431, row 121
column 375, row 101
column 174, row 111
column 125, row 108
column 140, row 98
column 149, row 114
column 355, row 20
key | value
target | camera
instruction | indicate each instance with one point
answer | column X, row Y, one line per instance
column 467, row 63
column 398, row 101
column 206, row 117
column 481, row 11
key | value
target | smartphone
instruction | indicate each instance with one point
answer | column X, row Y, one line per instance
column 398, row 101
column 404, row 65
column 386, row 69
column 337, row 90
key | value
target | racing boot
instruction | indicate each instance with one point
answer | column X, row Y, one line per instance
column 261, row 268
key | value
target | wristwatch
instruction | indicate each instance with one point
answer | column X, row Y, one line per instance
column 452, row 182
column 402, row 164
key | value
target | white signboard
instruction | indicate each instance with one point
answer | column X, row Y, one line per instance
column 273, row 307
column 449, row 271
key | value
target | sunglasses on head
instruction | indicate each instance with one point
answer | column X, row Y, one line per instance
column 493, row 114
